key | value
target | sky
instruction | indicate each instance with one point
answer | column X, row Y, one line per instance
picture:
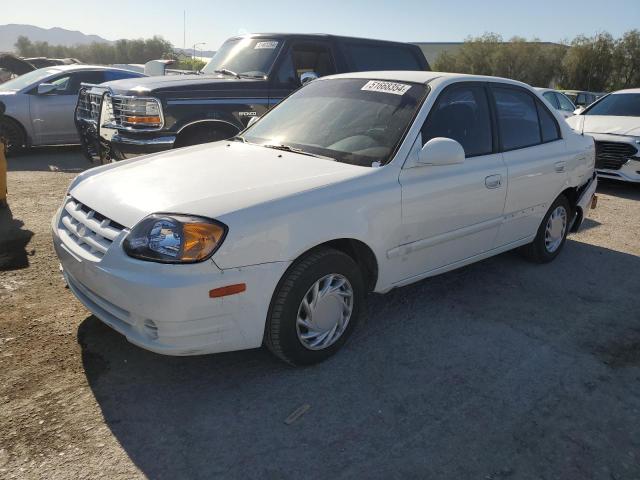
column 409, row 20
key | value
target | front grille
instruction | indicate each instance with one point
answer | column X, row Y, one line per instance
column 89, row 105
column 612, row 155
column 87, row 231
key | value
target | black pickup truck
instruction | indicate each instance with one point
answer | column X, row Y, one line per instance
column 246, row 77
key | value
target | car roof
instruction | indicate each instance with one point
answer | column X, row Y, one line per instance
column 627, row 90
column 77, row 67
column 325, row 36
column 425, row 77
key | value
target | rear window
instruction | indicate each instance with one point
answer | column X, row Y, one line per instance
column 366, row 58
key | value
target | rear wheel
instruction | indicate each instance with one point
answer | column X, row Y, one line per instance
column 12, row 132
column 315, row 307
column 552, row 233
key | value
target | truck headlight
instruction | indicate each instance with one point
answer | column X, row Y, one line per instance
column 174, row 238
column 138, row 111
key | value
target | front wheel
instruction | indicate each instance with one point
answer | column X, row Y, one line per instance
column 12, row 132
column 315, row 308
column 552, row 233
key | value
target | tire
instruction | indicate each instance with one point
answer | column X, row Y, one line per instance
column 285, row 327
column 545, row 248
column 199, row 135
column 13, row 132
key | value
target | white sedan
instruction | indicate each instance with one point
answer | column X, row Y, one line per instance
column 355, row 183
column 614, row 123
column 559, row 101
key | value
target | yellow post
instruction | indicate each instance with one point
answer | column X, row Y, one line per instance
column 3, row 174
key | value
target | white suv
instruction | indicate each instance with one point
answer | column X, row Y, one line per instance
column 358, row 182
column 614, row 123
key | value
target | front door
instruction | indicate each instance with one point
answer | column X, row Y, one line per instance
column 451, row 213
column 52, row 114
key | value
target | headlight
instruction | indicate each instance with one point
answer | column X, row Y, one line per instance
column 174, row 238
column 138, row 111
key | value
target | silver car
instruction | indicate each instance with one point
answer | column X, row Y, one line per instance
column 559, row 101
column 40, row 104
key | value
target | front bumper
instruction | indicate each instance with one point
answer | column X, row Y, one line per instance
column 166, row 308
column 108, row 145
column 629, row 172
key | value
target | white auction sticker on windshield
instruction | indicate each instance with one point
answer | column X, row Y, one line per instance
column 269, row 45
column 386, row 87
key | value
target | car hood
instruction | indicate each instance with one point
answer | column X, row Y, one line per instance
column 612, row 125
column 181, row 83
column 208, row 180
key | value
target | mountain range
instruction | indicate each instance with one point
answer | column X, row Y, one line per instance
column 55, row 36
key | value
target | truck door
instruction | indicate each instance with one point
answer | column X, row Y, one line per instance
column 300, row 56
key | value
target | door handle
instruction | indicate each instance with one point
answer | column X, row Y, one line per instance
column 560, row 166
column 493, row 181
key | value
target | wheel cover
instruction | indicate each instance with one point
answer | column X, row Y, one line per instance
column 324, row 312
column 555, row 230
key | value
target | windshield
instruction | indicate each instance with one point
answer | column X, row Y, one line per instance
column 355, row 121
column 27, row 79
column 619, row 105
column 245, row 56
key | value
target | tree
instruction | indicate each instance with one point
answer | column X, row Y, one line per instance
column 626, row 61
column 588, row 63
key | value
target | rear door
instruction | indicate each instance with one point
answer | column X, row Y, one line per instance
column 52, row 114
column 536, row 159
column 452, row 212
column 300, row 56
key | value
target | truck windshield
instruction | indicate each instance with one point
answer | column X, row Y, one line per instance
column 619, row 105
column 244, row 56
column 357, row 121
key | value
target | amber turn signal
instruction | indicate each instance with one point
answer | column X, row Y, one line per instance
column 143, row 120
column 199, row 240
column 228, row 290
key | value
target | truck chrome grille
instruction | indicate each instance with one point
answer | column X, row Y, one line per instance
column 612, row 155
column 85, row 231
column 89, row 105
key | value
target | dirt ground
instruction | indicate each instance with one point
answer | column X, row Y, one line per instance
column 502, row 369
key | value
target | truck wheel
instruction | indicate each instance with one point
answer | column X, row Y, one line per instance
column 13, row 133
column 315, row 308
column 202, row 134
column 552, row 233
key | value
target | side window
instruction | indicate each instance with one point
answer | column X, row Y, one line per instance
column 581, row 99
column 462, row 113
column 565, row 103
column 367, row 58
column 517, row 118
column 551, row 98
column 70, row 84
column 548, row 125
column 305, row 57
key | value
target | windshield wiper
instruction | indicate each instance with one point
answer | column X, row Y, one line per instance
column 288, row 148
column 226, row 71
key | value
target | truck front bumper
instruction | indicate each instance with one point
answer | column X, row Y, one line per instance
column 166, row 308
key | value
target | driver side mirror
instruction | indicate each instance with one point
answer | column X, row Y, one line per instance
column 45, row 88
column 307, row 77
column 441, row 151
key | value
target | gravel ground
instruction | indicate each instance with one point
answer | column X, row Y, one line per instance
column 502, row 369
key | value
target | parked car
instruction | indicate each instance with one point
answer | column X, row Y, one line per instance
column 614, row 123
column 581, row 98
column 358, row 182
column 247, row 76
column 40, row 103
column 559, row 101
